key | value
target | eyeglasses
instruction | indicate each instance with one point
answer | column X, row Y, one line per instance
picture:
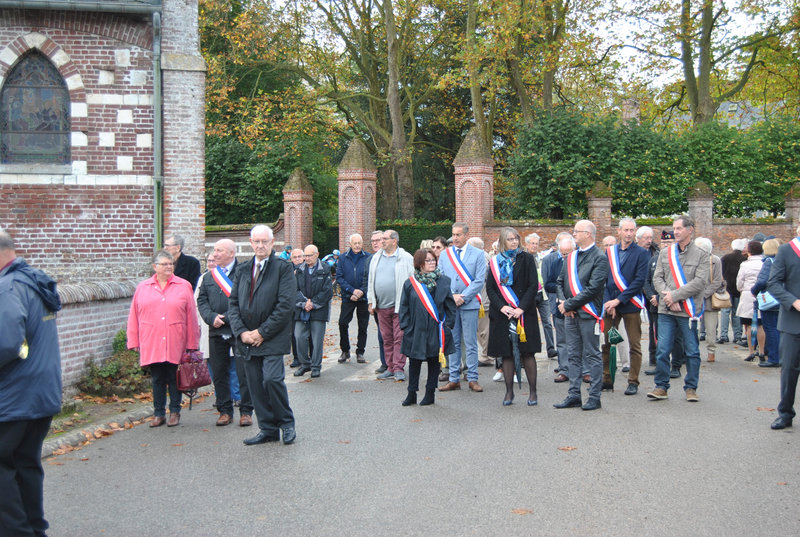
column 260, row 242
column 164, row 264
column 430, row 261
column 435, row 247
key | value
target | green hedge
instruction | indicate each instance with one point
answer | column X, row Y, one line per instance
column 412, row 232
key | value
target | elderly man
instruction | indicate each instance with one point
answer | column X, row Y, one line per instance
column 466, row 267
column 624, row 301
column 388, row 270
column 376, row 242
column 297, row 258
column 680, row 279
column 313, row 310
column 260, row 313
column 30, row 384
column 580, row 295
column 212, row 303
column 483, row 322
column 532, row 242
column 186, row 266
column 784, row 285
column 350, row 272
column 551, row 269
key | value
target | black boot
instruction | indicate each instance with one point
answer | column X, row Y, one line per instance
column 429, row 397
column 411, row 399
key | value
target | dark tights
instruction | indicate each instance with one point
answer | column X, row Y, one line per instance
column 529, row 363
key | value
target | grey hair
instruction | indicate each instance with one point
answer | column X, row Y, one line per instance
column 704, row 244
column 685, row 220
column 261, row 228
column 532, row 236
column 642, row 230
column 503, row 236
column 567, row 238
column 6, row 242
column 739, row 244
column 626, row 219
column 162, row 254
column 477, row 242
column 179, row 240
column 376, row 232
column 461, row 225
column 562, row 235
column 393, row 234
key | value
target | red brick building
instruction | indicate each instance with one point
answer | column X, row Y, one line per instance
column 101, row 150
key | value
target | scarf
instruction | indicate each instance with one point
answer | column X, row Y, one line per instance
column 428, row 279
column 506, row 262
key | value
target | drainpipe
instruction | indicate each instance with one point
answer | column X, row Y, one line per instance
column 158, row 157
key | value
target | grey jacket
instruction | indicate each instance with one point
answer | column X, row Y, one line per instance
column 696, row 268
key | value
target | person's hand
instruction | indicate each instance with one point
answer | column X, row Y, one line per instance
column 654, row 300
column 569, row 314
column 561, row 309
column 507, row 311
column 219, row 321
column 675, row 307
column 611, row 306
column 459, row 299
column 370, row 309
column 668, row 299
column 309, row 306
column 357, row 294
column 517, row 313
column 796, row 304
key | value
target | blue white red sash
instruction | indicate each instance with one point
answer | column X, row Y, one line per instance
column 509, row 295
column 222, row 280
column 425, row 297
column 619, row 280
column 679, row 278
column 795, row 244
column 463, row 273
column 575, row 288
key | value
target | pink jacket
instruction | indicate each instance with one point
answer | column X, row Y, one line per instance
column 162, row 323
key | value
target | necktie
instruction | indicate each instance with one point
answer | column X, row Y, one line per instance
column 458, row 251
column 255, row 280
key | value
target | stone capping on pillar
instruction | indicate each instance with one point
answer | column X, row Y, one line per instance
column 701, row 208
column 474, row 178
column 298, row 206
column 357, row 182
column 598, row 200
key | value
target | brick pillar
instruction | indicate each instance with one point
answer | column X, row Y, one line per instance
column 474, row 170
column 298, row 210
column 357, row 179
column 701, row 209
column 792, row 207
column 599, row 208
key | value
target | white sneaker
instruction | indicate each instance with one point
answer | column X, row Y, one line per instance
column 498, row 377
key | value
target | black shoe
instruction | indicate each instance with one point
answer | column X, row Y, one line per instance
column 289, row 434
column 261, row 438
column 381, row 369
column 674, row 373
column 769, row 364
column 429, row 397
column 302, row 371
column 751, row 357
column 344, row 357
column 651, row 372
column 632, row 389
column 360, row 358
column 411, row 399
column 742, row 343
column 552, row 353
column 780, row 423
column 722, row 341
column 295, row 363
column 315, row 373
column 607, row 387
column 626, row 369
column 569, row 402
column 591, row 404
column 703, row 337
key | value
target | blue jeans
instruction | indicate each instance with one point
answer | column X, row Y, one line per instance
column 728, row 315
column 465, row 331
column 668, row 328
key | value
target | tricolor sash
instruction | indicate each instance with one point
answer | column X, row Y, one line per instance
column 795, row 244
column 510, row 297
column 679, row 278
column 575, row 288
column 619, row 280
column 463, row 273
column 425, row 297
column 222, row 280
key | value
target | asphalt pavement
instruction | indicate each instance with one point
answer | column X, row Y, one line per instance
column 364, row 465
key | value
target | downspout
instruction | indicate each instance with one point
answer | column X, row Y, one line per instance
column 158, row 156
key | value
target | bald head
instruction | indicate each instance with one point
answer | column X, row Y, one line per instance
column 224, row 252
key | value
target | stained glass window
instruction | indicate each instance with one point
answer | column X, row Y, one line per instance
column 34, row 114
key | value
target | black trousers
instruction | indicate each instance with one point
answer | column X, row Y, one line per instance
column 345, row 316
column 22, row 477
column 652, row 334
column 414, row 367
column 164, row 377
column 789, row 350
column 268, row 391
column 220, row 350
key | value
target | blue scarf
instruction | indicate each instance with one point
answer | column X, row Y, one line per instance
column 506, row 262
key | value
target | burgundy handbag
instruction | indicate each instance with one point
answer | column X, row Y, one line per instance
column 192, row 374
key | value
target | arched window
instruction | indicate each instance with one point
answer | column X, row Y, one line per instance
column 34, row 114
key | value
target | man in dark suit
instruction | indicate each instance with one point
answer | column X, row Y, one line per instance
column 186, row 266
column 260, row 312
column 581, row 302
column 784, row 285
column 212, row 302
column 551, row 268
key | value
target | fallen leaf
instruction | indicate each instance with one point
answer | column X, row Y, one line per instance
column 177, row 445
column 307, row 380
column 567, row 448
column 782, row 483
column 59, row 463
column 84, row 458
column 427, row 458
column 755, row 380
column 128, row 425
column 344, row 441
column 764, row 409
column 143, row 445
column 205, row 430
column 519, row 511
column 415, row 420
column 357, row 391
column 115, row 426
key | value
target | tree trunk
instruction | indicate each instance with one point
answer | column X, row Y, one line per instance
column 399, row 153
column 472, row 71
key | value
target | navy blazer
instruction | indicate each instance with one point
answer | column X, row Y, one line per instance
column 635, row 269
column 592, row 273
column 784, row 285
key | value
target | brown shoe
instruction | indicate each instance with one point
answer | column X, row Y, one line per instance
column 450, row 386
column 691, row 396
column 561, row 377
column 158, row 421
column 475, row 387
column 174, row 419
column 246, row 420
column 711, row 357
column 224, row 419
column 658, row 394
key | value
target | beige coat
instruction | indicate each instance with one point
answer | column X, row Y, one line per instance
column 748, row 274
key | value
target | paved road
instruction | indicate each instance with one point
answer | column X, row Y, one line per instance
column 364, row 465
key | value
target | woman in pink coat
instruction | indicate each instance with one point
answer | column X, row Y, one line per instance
column 162, row 324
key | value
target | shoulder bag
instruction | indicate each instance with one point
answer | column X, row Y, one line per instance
column 719, row 300
column 192, row 374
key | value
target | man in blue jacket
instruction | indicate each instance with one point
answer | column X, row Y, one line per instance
column 551, row 269
column 350, row 274
column 30, row 384
column 623, row 299
column 313, row 311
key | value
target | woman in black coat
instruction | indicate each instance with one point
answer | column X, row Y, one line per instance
column 517, row 269
column 421, row 334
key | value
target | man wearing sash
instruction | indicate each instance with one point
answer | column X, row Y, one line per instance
column 532, row 242
column 212, row 303
column 680, row 278
column 551, row 268
column 466, row 266
column 623, row 299
column 784, row 285
column 580, row 289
